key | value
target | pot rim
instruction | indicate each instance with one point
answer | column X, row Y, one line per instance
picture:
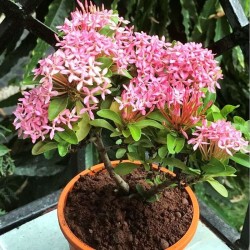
column 74, row 241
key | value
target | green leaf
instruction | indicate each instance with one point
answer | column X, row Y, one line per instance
column 156, row 115
column 106, row 31
column 120, row 153
column 209, row 97
column 133, row 156
column 189, row 14
column 218, row 187
column 114, row 7
column 111, row 115
column 171, row 143
column 126, row 74
column 227, row 110
column 217, row 116
column 3, row 150
column 49, row 154
column 126, row 133
column 148, row 123
column 42, row 146
column 58, row 138
column 63, row 149
column 203, row 20
column 56, row 106
column 101, row 123
column 125, row 168
column 174, row 162
column 153, row 198
column 84, row 127
column 163, row 151
column 106, row 62
column 213, row 168
column 242, row 159
column 140, row 189
column 135, row 131
column 115, row 133
column 68, row 135
column 239, row 120
column 179, row 144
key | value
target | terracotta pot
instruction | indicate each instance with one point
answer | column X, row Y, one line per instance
column 77, row 244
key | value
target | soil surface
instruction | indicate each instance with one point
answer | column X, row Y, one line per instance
column 104, row 219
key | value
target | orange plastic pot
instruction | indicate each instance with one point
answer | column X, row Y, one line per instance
column 77, row 244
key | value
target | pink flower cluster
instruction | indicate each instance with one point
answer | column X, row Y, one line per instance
column 219, row 140
column 75, row 69
column 170, row 78
column 32, row 115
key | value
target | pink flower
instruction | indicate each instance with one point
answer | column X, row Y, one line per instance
column 32, row 113
column 190, row 65
column 219, row 140
column 182, row 107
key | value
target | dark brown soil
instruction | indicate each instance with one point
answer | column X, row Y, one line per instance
column 103, row 219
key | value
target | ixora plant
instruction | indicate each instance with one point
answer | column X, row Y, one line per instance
column 156, row 99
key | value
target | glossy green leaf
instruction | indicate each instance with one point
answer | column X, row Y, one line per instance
column 148, row 123
column 228, row 109
column 126, row 74
column 213, row 169
column 174, row 162
column 239, row 120
column 106, row 62
column 218, row 187
column 56, row 106
column 179, row 144
column 106, row 31
column 84, row 127
column 63, row 149
column 209, row 97
column 42, row 146
column 115, row 133
column 126, row 133
column 111, row 115
column 101, row 123
column 135, row 132
column 58, row 138
column 68, row 135
column 242, row 159
column 217, row 116
column 171, row 140
column 120, row 153
column 163, row 151
column 125, row 168
column 156, row 115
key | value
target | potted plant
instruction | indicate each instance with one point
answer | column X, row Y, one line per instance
column 156, row 100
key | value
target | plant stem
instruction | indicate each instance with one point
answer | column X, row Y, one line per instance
column 156, row 189
column 97, row 140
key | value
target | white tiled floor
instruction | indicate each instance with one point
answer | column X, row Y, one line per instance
column 43, row 233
